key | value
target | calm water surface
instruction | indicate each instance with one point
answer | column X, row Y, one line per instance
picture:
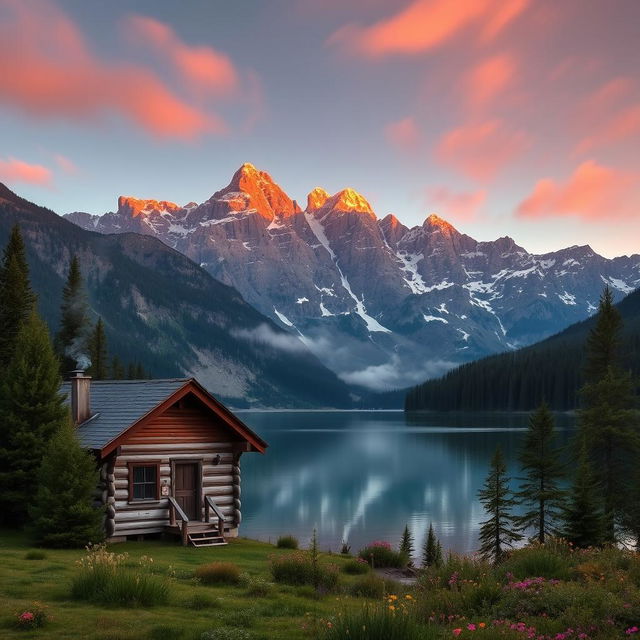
column 361, row 476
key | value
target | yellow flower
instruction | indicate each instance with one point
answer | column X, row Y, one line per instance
column 391, row 608
column 408, row 597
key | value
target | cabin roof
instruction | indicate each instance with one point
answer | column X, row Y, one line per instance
column 120, row 405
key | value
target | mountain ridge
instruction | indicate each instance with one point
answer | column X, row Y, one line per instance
column 395, row 304
column 160, row 308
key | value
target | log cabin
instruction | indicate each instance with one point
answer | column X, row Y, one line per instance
column 168, row 454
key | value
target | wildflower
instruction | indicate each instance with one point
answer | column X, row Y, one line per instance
column 457, row 632
column 631, row 630
column 26, row 616
column 482, row 625
column 471, row 626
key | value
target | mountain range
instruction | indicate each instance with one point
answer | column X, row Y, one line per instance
column 161, row 309
column 380, row 304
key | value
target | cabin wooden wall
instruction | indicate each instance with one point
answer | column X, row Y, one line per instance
column 182, row 433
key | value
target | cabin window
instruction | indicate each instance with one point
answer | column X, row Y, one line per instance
column 144, row 481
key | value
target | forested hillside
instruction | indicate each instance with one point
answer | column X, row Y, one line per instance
column 164, row 311
column 550, row 370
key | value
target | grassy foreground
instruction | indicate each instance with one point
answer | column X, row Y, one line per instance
column 551, row 593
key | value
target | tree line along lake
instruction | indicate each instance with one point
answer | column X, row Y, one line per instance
column 361, row 476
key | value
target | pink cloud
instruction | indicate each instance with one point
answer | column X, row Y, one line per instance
column 49, row 71
column 65, row 164
column 202, row 67
column 481, row 150
column 428, row 24
column 463, row 206
column 403, row 134
column 593, row 193
column 13, row 170
column 489, row 78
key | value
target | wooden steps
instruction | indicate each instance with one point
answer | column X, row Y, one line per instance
column 206, row 538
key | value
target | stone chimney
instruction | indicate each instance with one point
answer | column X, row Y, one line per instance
column 80, row 396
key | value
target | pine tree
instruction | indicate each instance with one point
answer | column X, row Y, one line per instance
column 406, row 544
column 32, row 411
column 429, row 551
column 117, row 369
column 540, row 491
column 62, row 514
column 73, row 336
column 99, row 369
column 16, row 297
column 583, row 517
column 438, row 558
column 499, row 531
column 607, row 420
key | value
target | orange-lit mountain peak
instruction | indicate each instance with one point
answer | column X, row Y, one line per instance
column 316, row 199
column 264, row 194
column 350, row 200
column 135, row 207
column 435, row 222
column 392, row 221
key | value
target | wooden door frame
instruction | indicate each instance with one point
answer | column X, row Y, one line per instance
column 198, row 488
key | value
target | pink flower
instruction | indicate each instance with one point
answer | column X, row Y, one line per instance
column 471, row 626
column 27, row 615
column 457, row 632
column 632, row 630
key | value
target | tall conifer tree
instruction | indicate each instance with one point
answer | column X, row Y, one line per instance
column 540, row 490
column 406, row 544
column 98, row 354
column 499, row 531
column 32, row 411
column 72, row 339
column 430, row 549
column 17, row 299
column 607, row 420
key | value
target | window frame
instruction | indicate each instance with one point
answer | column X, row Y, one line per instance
column 131, row 466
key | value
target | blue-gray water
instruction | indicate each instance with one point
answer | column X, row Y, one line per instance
column 361, row 476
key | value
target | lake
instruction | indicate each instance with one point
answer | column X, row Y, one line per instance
column 361, row 476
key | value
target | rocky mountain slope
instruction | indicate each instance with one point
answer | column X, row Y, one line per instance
column 167, row 312
column 381, row 304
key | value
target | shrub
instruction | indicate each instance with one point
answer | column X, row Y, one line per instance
column 34, row 617
column 369, row 586
column 287, row 542
column 35, row 554
column 256, row 586
column 356, row 567
column 380, row 555
column 538, row 561
column 299, row 569
column 102, row 579
column 199, row 601
column 218, row 573
column 377, row 622
column 226, row 633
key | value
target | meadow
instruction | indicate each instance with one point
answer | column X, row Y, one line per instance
column 255, row 591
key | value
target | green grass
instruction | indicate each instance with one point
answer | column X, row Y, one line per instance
column 596, row 591
column 192, row 608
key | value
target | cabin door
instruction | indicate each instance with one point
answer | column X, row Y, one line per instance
column 187, row 488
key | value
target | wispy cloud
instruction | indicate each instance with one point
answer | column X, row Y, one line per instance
column 14, row 170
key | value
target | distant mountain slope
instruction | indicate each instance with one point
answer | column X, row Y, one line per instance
column 381, row 304
column 161, row 308
column 518, row 381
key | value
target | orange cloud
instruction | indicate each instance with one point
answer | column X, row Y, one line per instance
column 463, row 206
column 48, row 70
column 593, row 193
column 203, row 67
column 403, row 134
column 489, row 78
column 622, row 125
column 481, row 150
column 427, row 24
column 13, row 170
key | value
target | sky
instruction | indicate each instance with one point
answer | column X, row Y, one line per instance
column 505, row 117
